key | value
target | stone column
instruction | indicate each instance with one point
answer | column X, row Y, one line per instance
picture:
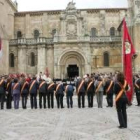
column 41, row 58
column 22, row 59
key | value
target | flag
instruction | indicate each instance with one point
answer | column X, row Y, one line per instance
column 0, row 47
column 128, row 53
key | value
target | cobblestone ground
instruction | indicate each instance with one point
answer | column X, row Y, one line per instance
column 68, row 124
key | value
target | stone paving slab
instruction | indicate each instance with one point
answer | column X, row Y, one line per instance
column 68, row 124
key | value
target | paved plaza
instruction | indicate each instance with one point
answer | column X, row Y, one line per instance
column 68, row 124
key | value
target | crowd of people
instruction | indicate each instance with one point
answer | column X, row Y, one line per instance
column 14, row 87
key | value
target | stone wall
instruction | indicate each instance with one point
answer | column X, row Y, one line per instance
column 7, row 10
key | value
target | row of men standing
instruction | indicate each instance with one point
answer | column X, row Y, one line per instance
column 90, row 87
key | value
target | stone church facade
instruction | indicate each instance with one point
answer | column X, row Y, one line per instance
column 68, row 42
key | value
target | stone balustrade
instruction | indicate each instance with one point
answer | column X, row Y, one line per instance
column 31, row 41
column 106, row 39
column 43, row 40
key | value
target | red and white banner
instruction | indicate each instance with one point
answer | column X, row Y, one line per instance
column 0, row 47
column 128, row 53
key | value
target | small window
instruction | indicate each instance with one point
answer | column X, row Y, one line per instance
column 32, row 59
column 19, row 34
column 112, row 31
column 53, row 32
column 106, row 59
column 93, row 32
column 12, row 60
column 36, row 34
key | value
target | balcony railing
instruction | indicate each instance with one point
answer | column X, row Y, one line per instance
column 43, row 40
column 87, row 39
column 31, row 41
column 106, row 39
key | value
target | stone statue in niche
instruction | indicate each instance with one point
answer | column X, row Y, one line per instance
column 71, row 6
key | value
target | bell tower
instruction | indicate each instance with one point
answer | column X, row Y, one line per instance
column 134, row 28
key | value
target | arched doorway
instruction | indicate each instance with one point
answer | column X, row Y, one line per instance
column 71, row 64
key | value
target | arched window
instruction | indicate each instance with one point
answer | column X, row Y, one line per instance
column 19, row 34
column 36, row 34
column 32, row 59
column 53, row 32
column 93, row 32
column 106, row 59
column 112, row 31
column 12, row 60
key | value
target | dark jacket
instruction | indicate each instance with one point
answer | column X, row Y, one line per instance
column 83, row 87
column 117, row 89
column 2, row 87
column 137, row 89
column 34, row 88
column 69, row 91
column 111, row 90
column 17, row 89
column 91, row 88
column 43, row 88
column 25, row 90
column 60, row 90
column 8, row 87
column 52, row 88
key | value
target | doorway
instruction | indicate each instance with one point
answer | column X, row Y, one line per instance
column 72, row 71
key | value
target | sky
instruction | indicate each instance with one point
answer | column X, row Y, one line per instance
column 36, row 5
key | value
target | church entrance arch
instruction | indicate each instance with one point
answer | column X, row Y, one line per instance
column 72, row 64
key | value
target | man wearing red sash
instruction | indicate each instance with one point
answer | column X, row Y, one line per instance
column 16, row 87
column 109, row 85
column 33, row 87
column 81, row 89
column 50, row 94
column 42, row 93
column 90, row 91
column 120, row 88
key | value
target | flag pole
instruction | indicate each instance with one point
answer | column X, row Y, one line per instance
column 122, row 45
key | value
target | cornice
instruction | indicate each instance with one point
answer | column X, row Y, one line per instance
column 12, row 5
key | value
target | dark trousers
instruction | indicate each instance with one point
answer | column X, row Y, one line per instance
column 50, row 97
column 109, row 99
column 33, row 101
column 16, row 98
column 121, row 111
column 24, row 101
column 59, row 99
column 69, row 101
column 2, row 100
column 9, row 101
column 138, row 97
column 90, row 99
column 42, row 95
column 81, row 95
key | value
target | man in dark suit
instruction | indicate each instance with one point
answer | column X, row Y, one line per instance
column 137, row 90
column 33, row 92
column 69, row 93
column 59, row 92
column 81, row 89
column 109, row 86
column 50, row 94
column 42, row 92
column 2, row 91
